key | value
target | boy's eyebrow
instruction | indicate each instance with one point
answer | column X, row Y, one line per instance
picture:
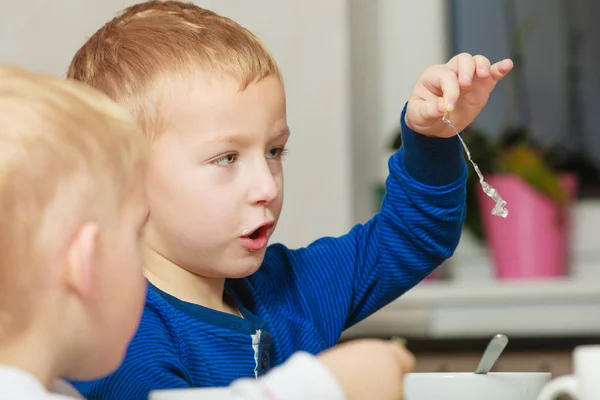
column 242, row 138
column 284, row 132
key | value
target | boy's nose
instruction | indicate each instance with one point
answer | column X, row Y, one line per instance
column 263, row 187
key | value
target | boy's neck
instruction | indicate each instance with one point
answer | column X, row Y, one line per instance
column 184, row 285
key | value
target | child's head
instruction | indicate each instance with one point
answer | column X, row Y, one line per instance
column 71, row 208
column 209, row 96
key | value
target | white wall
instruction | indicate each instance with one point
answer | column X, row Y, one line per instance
column 392, row 42
column 340, row 122
column 412, row 36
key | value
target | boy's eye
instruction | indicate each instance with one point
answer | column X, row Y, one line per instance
column 227, row 159
column 276, row 153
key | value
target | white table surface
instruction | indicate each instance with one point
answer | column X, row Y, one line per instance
column 561, row 307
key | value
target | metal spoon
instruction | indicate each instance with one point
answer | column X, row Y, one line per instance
column 491, row 354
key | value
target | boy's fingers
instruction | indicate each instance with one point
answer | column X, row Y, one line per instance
column 448, row 83
column 442, row 80
column 500, row 69
column 432, row 109
column 482, row 66
column 466, row 69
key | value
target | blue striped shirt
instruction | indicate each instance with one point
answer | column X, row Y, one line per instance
column 303, row 299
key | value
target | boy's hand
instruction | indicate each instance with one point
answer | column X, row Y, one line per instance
column 461, row 87
column 369, row 368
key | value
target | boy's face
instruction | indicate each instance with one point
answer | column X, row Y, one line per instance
column 215, row 179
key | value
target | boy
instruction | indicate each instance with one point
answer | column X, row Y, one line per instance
column 71, row 209
column 209, row 97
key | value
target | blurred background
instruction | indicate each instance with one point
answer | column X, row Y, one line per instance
column 349, row 67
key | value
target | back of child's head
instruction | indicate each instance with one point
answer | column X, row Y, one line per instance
column 69, row 156
column 133, row 56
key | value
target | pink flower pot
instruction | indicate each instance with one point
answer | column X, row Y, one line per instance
column 534, row 240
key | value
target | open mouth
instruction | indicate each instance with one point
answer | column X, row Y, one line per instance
column 259, row 232
column 255, row 234
column 257, row 239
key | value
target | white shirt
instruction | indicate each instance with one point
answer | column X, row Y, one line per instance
column 16, row 384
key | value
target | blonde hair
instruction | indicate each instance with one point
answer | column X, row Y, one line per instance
column 149, row 43
column 68, row 154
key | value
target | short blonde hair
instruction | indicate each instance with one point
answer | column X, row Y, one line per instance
column 68, row 154
column 149, row 43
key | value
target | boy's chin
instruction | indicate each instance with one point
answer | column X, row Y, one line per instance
column 246, row 266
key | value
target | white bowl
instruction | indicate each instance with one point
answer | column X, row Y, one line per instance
column 471, row 386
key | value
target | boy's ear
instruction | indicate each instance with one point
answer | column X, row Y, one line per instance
column 81, row 257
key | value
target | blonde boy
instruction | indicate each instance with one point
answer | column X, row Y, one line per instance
column 72, row 289
column 71, row 210
column 221, row 304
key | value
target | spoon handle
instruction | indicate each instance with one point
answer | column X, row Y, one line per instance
column 491, row 354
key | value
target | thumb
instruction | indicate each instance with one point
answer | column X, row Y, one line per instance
column 404, row 357
column 435, row 109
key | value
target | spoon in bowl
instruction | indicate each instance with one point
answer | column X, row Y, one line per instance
column 491, row 354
